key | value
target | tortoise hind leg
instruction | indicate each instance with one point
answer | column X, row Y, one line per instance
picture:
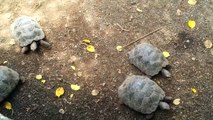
column 164, row 106
column 45, row 43
column 165, row 73
column 33, row 46
column 24, row 49
column 149, row 116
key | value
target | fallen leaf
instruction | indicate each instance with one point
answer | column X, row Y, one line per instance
column 39, row 77
column 119, row 48
column 90, row 48
column 192, row 2
column 191, row 24
column 43, row 81
column 208, row 43
column 75, row 87
column 176, row 101
column 59, row 91
column 8, row 105
column 95, row 92
column 86, row 41
column 194, row 90
column 166, row 54
column 193, row 58
column 73, row 67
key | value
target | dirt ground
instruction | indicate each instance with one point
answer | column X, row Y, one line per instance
column 107, row 23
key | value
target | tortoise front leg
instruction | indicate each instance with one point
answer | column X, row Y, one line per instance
column 165, row 73
column 24, row 49
column 164, row 106
column 45, row 43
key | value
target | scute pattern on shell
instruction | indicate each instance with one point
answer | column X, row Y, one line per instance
column 26, row 30
column 140, row 93
column 8, row 81
column 148, row 59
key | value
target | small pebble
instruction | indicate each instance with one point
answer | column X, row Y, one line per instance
column 119, row 71
column 61, row 111
column 12, row 42
column 95, row 92
column 29, row 96
column 79, row 74
column 193, row 58
column 178, row 12
column 5, row 62
column 73, row 59
column 103, row 84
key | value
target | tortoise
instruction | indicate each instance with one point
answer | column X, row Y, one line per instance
column 143, row 95
column 149, row 60
column 28, row 32
column 8, row 81
column 2, row 117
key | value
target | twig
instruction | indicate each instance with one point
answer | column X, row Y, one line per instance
column 38, row 5
column 142, row 37
column 121, row 27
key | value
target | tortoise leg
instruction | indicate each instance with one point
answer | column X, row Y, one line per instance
column 45, row 43
column 164, row 106
column 24, row 49
column 149, row 116
column 33, row 46
column 4, row 117
column 168, row 99
column 165, row 73
column 1, row 99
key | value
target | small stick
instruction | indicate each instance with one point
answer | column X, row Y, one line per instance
column 122, row 29
column 142, row 37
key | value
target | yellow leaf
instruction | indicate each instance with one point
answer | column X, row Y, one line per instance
column 90, row 48
column 86, row 41
column 194, row 90
column 73, row 67
column 8, row 105
column 43, row 81
column 208, row 43
column 38, row 77
column 192, row 2
column 59, row 91
column 176, row 101
column 75, row 87
column 191, row 24
column 166, row 54
column 119, row 48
